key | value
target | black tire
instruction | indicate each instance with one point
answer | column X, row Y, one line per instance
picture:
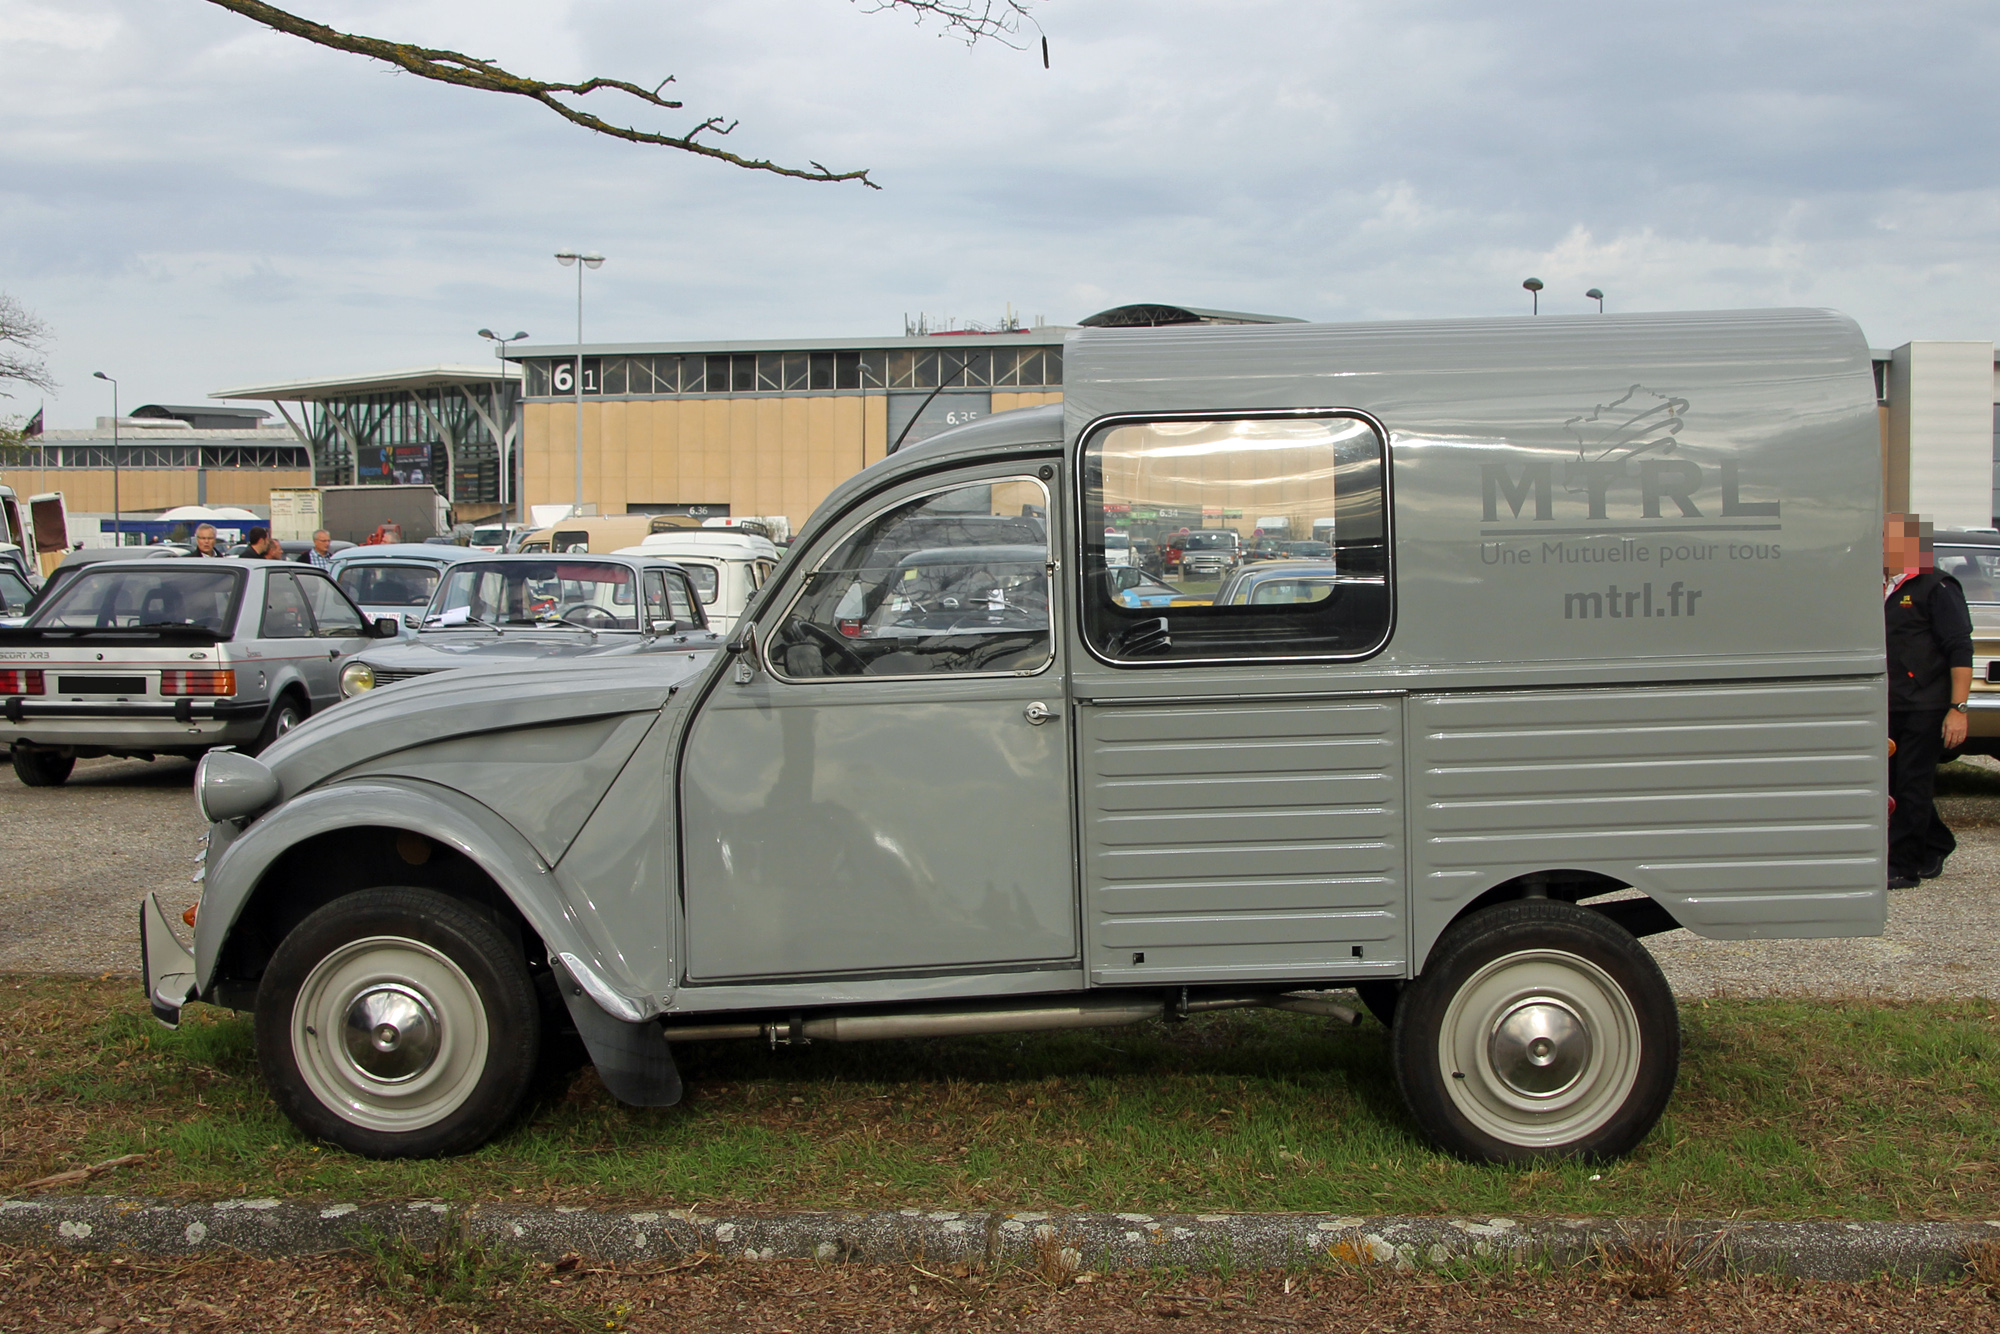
column 286, row 714
column 1380, row 998
column 442, row 979
column 1538, row 1030
column 42, row 768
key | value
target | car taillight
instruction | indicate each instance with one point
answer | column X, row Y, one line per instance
column 20, row 681
column 197, row 683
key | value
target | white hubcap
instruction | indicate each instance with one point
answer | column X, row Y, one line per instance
column 389, row 1033
column 1540, row 1048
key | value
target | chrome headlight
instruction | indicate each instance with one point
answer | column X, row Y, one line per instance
column 356, row 677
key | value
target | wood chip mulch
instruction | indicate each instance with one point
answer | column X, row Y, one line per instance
column 98, row 1294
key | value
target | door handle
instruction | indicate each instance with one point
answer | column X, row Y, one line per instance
column 332, row 653
column 1039, row 713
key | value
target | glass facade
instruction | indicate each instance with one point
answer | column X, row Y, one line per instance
column 410, row 435
column 1006, row 368
column 208, row 454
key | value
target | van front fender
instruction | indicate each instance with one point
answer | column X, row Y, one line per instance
column 240, row 874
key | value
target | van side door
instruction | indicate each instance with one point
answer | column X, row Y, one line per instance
column 1241, row 810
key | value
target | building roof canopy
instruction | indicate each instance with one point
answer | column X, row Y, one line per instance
column 382, row 382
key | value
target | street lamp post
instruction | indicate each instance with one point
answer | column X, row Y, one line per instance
column 1534, row 286
column 117, row 516
column 518, row 480
column 591, row 260
column 1596, row 295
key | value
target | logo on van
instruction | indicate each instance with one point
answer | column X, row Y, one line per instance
column 1633, row 439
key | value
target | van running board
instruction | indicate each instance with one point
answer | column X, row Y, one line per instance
column 1095, row 1012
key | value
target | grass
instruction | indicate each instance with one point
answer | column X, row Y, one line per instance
column 1784, row 1109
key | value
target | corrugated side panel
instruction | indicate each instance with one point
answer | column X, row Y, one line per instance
column 1242, row 841
column 1748, row 811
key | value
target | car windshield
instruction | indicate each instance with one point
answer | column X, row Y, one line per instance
column 1117, row 542
column 1977, row 570
column 1318, row 550
column 596, row 595
column 14, row 593
column 168, row 594
column 373, row 585
column 489, row 537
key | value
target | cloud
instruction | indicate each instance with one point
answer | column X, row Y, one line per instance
column 205, row 204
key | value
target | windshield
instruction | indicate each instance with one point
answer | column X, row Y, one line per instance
column 1977, row 570
column 131, row 599
column 388, row 585
column 1117, row 542
column 14, row 593
column 595, row 595
column 489, row 537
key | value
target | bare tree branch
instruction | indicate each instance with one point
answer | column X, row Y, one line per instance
column 973, row 20
column 24, row 336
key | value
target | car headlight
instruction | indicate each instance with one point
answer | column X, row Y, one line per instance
column 356, row 677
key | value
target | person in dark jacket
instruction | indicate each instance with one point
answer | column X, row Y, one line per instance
column 1929, row 638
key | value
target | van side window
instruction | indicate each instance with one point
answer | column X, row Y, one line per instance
column 1232, row 538
column 954, row 581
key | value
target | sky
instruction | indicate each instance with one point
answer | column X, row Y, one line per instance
column 194, row 203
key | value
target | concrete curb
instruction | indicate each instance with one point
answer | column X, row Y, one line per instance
column 270, row 1227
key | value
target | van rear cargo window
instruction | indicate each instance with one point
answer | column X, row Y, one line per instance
column 1219, row 539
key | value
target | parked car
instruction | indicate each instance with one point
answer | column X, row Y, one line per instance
column 498, row 611
column 170, row 657
column 727, row 565
column 1204, row 553
column 1972, row 556
column 492, row 538
column 876, row 814
column 14, row 594
column 601, row 532
column 1274, row 582
column 1135, row 588
column 395, row 580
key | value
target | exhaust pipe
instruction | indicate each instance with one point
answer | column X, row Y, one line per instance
column 1092, row 1012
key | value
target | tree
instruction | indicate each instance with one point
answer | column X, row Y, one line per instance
column 971, row 20
column 23, row 339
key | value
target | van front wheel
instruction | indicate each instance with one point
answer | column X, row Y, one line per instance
column 398, row 1023
column 1538, row 1030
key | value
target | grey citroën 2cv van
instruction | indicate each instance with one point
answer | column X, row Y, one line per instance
column 1602, row 620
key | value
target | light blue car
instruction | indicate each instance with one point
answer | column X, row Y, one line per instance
column 395, row 579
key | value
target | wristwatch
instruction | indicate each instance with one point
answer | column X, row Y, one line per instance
column 1960, row 707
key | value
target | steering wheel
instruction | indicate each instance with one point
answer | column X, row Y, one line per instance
column 590, row 615
column 828, row 639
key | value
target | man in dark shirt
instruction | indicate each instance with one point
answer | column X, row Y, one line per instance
column 1929, row 639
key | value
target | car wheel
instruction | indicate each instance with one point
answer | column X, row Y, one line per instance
column 42, row 768
column 1538, row 1030
column 286, row 714
column 398, row 1023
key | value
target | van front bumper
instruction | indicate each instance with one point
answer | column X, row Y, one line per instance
column 168, row 966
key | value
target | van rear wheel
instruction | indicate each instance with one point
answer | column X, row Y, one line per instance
column 1538, row 1030
column 398, row 1023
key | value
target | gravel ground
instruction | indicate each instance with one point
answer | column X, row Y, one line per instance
column 78, row 857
